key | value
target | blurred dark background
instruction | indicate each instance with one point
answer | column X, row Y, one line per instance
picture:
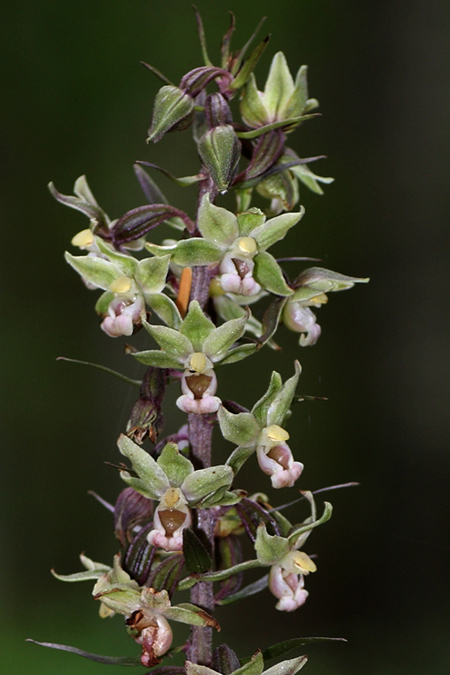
column 76, row 100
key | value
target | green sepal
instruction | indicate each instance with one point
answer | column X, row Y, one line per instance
column 249, row 65
column 270, row 548
column 175, row 465
column 250, row 220
column 125, row 263
column 84, row 202
column 288, row 121
column 309, row 178
column 281, row 648
column 278, row 88
column 279, row 407
column 151, row 274
column 326, row 281
column 196, row 326
column 327, row 513
column 297, row 101
column 190, row 614
column 251, row 589
column 287, row 667
column 96, row 271
column 253, row 110
column 151, row 481
column 219, row 149
column 253, row 667
column 206, row 481
column 102, row 304
column 220, row 340
column 276, row 228
column 261, row 407
column 197, row 558
column 216, row 224
column 86, row 575
column 173, row 342
column 165, row 308
column 241, row 428
column 196, row 251
column 269, row 275
column 239, row 353
column 157, row 358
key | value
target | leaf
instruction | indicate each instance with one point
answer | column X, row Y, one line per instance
column 328, row 510
column 197, row 558
column 149, row 187
column 136, row 383
column 280, row 405
column 254, row 666
column 271, row 320
column 107, row 660
column 86, row 575
column 92, row 211
column 250, row 64
column 251, row 589
column 201, row 35
column 282, row 648
column 274, row 125
column 185, row 181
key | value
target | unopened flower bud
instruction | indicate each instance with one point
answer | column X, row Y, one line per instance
column 220, row 150
column 173, row 110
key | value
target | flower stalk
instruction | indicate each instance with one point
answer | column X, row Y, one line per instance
column 210, row 298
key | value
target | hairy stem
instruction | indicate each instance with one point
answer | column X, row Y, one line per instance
column 200, row 432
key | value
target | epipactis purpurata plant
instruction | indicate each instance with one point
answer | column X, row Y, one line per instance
column 181, row 518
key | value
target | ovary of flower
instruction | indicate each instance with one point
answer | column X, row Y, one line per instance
column 170, row 518
column 286, row 580
column 275, row 457
column 199, row 384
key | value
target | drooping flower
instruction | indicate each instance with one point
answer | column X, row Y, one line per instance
column 260, row 430
column 172, row 480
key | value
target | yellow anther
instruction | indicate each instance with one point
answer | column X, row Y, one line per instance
column 83, row 239
column 303, row 563
column 276, row 433
column 320, row 299
column 197, row 362
column 247, row 245
column 121, row 285
column 171, row 497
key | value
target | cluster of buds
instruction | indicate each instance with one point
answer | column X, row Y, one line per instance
column 181, row 517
